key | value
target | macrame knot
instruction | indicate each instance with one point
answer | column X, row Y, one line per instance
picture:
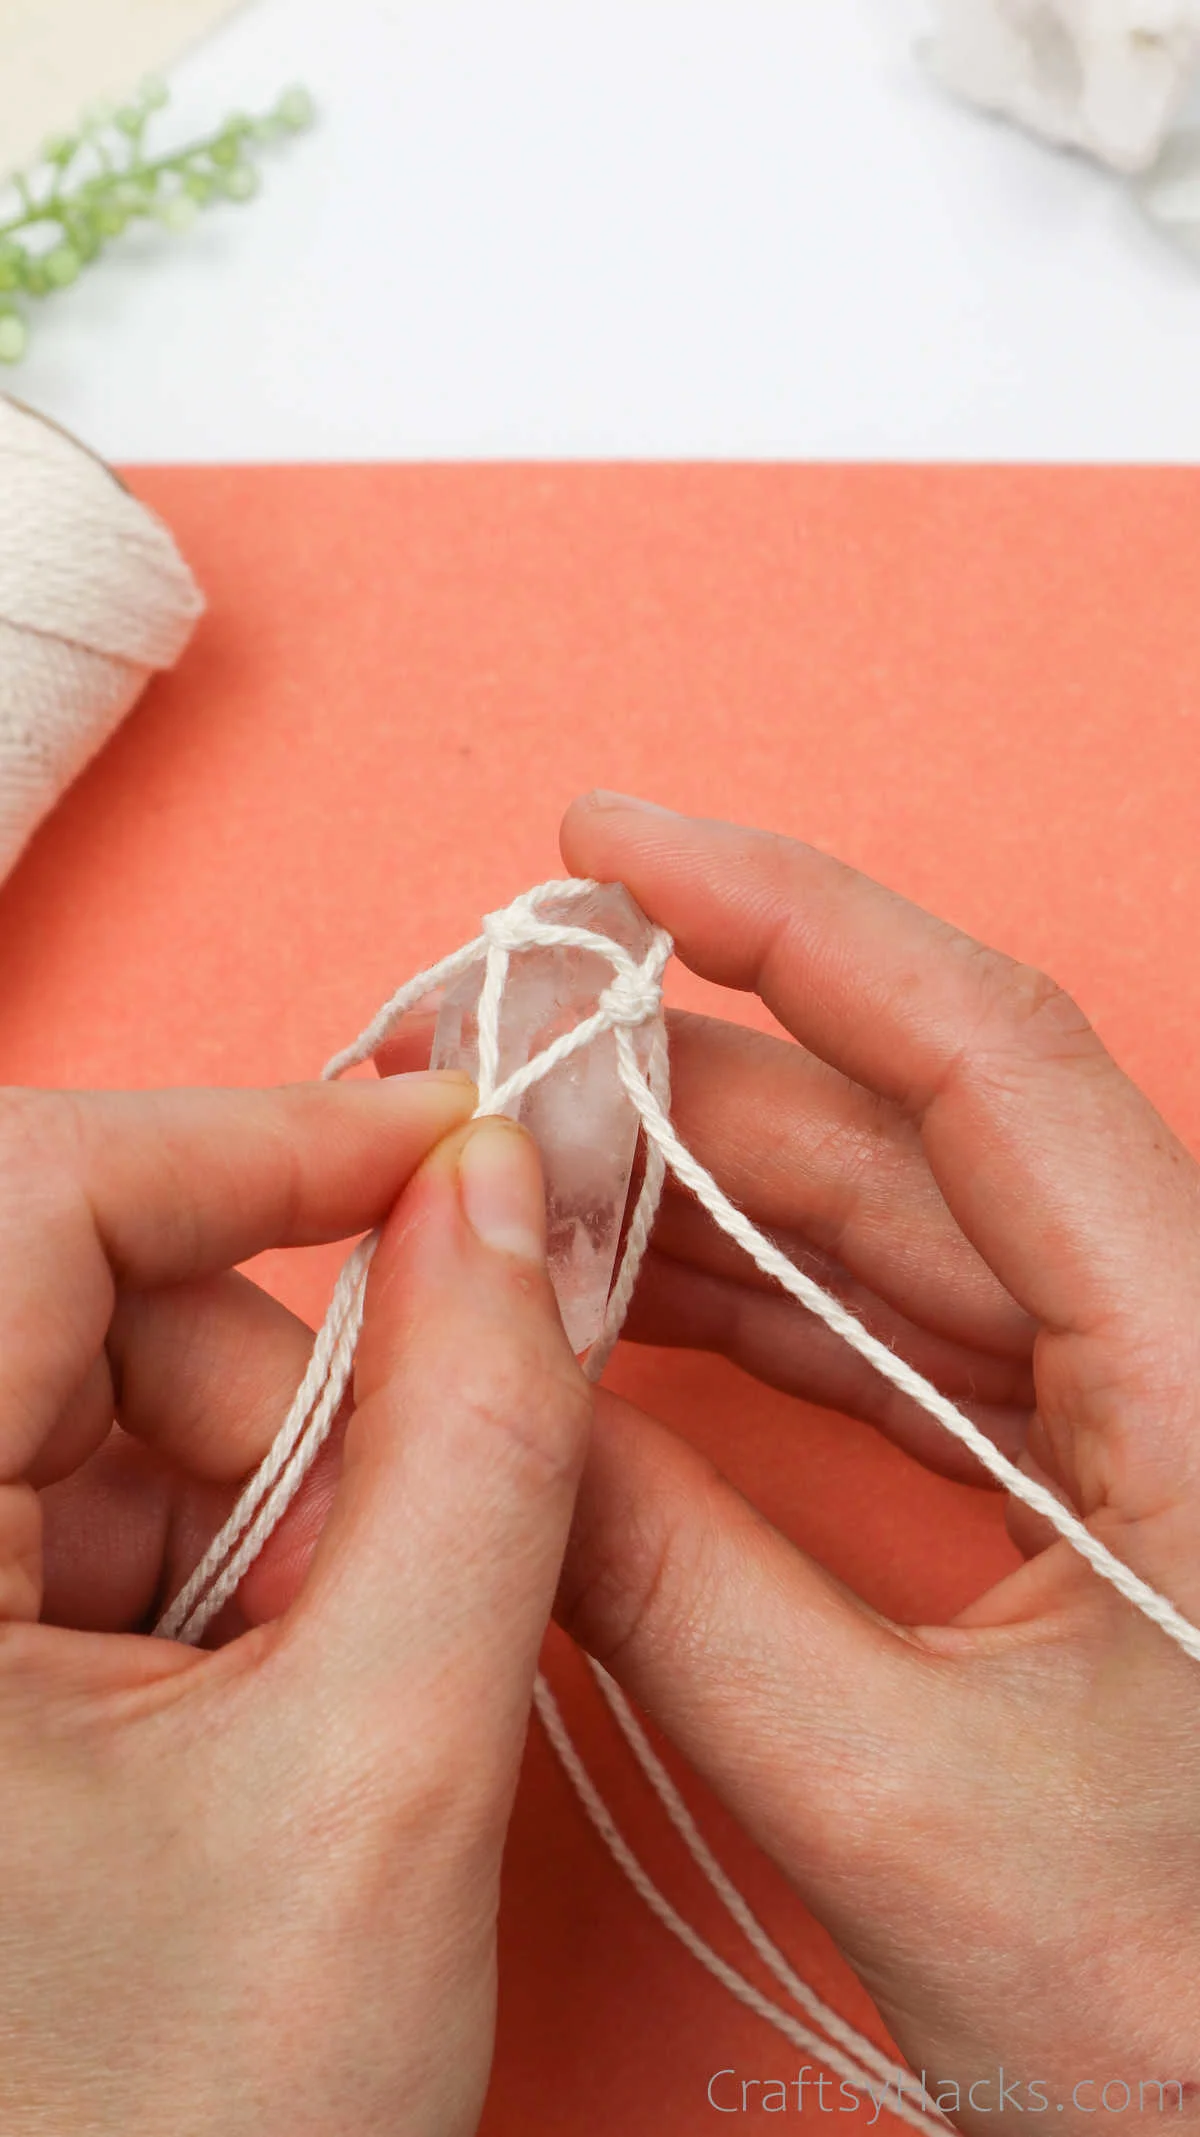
column 510, row 927
column 634, row 994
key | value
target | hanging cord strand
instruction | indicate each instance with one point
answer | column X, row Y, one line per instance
column 879, row 2065
column 856, row 2061
column 278, row 1478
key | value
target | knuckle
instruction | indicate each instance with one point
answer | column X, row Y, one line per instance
column 529, row 1410
column 1025, row 1011
column 1032, row 1002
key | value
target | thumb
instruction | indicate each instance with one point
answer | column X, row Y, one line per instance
column 812, row 1716
column 436, row 1570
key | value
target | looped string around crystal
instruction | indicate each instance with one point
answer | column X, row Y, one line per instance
column 630, row 1001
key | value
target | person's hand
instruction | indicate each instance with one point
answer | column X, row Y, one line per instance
column 252, row 1889
column 999, row 1820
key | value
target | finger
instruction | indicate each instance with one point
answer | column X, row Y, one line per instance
column 792, row 1698
column 1053, row 1164
column 432, row 1582
column 121, row 1535
column 187, row 1368
column 143, row 1189
column 803, row 1150
column 204, row 1372
column 770, row 1336
column 202, row 1375
column 686, row 1235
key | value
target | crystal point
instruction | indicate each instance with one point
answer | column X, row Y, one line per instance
column 579, row 1114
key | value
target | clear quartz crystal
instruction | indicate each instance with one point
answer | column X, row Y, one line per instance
column 579, row 1115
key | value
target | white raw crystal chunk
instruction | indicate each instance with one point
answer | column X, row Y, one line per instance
column 1170, row 193
column 579, row 1115
column 1107, row 76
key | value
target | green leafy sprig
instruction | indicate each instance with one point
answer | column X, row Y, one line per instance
column 86, row 188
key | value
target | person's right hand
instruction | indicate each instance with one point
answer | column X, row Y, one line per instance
column 999, row 1820
column 252, row 1889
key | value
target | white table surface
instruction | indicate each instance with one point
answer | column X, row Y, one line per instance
column 627, row 228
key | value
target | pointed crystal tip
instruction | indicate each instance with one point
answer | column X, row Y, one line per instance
column 579, row 1115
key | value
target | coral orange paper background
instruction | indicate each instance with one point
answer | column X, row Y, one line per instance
column 981, row 685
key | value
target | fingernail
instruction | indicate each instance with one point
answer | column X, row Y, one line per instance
column 500, row 1181
column 604, row 798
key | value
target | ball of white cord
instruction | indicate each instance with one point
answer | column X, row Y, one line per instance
column 94, row 596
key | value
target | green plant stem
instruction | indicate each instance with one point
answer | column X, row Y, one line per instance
column 56, row 207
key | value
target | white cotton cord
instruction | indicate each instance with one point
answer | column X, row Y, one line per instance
column 278, row 1478
column 384, row 1022
column 517, row 925
column 857, row 2069
column 630, row 1002
column 94, row 596
column 637, row 1238
column 881, row 2066
column 494, row 975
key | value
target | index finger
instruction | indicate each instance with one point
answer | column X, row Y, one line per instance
column 1053, row 1163
column 154, row 1188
